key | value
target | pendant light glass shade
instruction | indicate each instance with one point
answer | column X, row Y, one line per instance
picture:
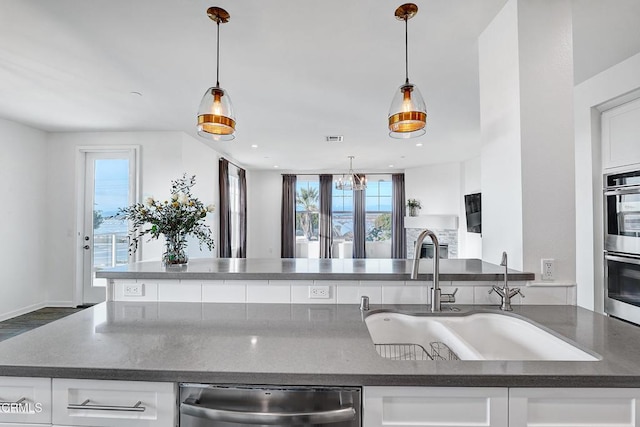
column 216, row 119
column 408, row 113
column 215, row 115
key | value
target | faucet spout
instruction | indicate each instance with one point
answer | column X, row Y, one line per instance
column 435, row 290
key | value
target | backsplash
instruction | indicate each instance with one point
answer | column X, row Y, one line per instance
column 337, row 292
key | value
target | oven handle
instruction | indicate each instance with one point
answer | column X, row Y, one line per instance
column 191, row 407
column 614, row 191
column 626, row 258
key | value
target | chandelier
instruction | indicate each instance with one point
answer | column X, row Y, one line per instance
column 351, row 181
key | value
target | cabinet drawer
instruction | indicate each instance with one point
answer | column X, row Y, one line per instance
column 25, row 400
column 435, row 406
column 113, row 403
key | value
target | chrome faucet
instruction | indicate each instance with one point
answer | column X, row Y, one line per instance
column 437, row 298
column 505, row 293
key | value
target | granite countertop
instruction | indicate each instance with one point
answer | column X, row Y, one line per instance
column 312, row 269
column 296, row 344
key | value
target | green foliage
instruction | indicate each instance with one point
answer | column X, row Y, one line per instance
column 414, row 203
column 181, row 215
column 381, row 229
column 308, row 199
column 98, row 219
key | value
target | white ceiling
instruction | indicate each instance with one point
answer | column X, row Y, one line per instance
column 296, row 71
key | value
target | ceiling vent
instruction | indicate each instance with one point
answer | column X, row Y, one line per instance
column 334, row 138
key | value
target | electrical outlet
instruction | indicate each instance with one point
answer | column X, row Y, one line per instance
column 133, row 290
column 548, row 269
column 319, row 292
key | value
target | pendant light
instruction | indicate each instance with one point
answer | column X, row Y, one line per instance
column 408, row 111
column 215, row 116
column 351, row 181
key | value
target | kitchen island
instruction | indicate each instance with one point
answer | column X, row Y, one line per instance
column 115, row 354
column 297, row 344
column 323, row 281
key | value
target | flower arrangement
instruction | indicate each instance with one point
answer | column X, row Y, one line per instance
column 176, row 218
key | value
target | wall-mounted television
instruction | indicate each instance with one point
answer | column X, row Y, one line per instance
column 473, row 209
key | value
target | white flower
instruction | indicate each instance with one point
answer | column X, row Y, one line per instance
column 149, row 201
column 174, row 197
column 183, row 199
column 211, row 208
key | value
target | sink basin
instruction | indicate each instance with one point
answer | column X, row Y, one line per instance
column 475, row 336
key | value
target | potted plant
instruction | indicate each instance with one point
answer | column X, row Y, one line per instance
column 414, row 206
column 175, row 219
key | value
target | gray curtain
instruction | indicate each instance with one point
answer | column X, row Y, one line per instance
column 224, row 250
column 359, row 223
column 242, row 181
column 288, row 217
column 326, row 224
column 398, row 233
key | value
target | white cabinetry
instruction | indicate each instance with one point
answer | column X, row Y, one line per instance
column 113, row 403
column 621, row 135
column 560, row 407
column 435, row 406
column 25, row 400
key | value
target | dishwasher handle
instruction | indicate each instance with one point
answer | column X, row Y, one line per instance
column 191, row 407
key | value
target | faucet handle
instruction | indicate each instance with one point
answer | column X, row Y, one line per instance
column 449, row 298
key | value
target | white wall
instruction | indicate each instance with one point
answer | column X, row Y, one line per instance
column 526, row 84
column 24, row 219
column 610, row 87
column 264, row 199
column 500, row 137
column 164, row 157
column 436, row 186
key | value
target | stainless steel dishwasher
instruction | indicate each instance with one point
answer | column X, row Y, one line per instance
column 206, row 405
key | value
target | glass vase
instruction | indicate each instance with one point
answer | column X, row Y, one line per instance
column 175, row 254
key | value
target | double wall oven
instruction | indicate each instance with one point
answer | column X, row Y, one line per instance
column 622, row 245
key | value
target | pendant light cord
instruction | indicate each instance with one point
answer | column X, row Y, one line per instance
column 218, row 55
column 406, row 48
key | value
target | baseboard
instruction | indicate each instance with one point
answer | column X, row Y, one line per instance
column 21, row 311
column 59, row 304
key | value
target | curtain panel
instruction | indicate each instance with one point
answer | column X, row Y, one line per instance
column 242, row 181
column 398, row 211
column 288, row 217
column 224, row 250
column 359, row 224
column 326, row 223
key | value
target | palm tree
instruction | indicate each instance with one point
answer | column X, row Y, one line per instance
column 308, row 199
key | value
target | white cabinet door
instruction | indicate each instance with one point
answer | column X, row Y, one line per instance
column 435, row 406
column 113, row 403
column 25, row 400
column 558, row 407
column 621, row 135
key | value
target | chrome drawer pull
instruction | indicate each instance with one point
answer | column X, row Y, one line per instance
column 17, row 402
column 85, row 405
column 191, row 407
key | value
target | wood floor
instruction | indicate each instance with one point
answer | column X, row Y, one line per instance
column 26, row 322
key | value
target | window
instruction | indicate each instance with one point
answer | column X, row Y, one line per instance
column 342, row 215
column 378, row 204
column 307, row 216
column 234, row 207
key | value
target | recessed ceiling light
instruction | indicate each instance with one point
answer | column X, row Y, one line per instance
column 419, row 144
column 390, row 166
column 276, row 166
column 254, row 145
